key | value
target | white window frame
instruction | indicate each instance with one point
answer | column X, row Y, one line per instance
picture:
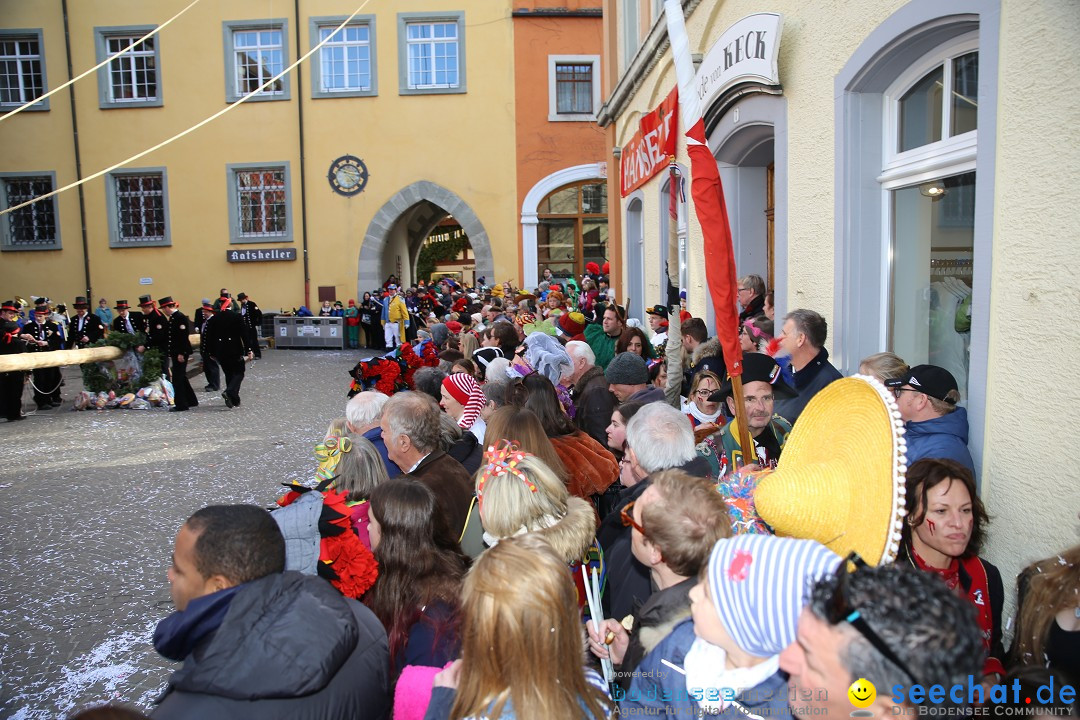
column 112, row 194
column 236, row 235
column 405, row 87
column 233, row 91
column 948, row 156
column 102, row 36
column 943, row 158
column 5, row 220
column 316, row 26
column 37, row 36
column 553, row 101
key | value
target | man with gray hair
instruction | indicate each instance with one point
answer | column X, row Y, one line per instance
column 593, row 401
column 751, row 297
column 803, row 340
column 658, row 437
column 362, row 415
column 412, row 432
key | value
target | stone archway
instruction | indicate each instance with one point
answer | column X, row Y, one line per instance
column 421, row 206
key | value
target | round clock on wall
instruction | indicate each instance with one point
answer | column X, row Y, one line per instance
column 348, row 175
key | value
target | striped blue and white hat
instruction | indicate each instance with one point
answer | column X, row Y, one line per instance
column 760, row 584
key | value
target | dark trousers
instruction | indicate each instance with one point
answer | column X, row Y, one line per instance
column 11, row 389
column 185, row 396
column 47, row 386
column 234, row 377
column 212, row 372
column 253, row 341
column 373, row 336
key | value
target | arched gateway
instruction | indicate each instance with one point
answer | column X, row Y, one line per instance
column 396, row 234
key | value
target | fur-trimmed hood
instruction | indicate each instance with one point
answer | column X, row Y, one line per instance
column 709, row 348
column 572, row 535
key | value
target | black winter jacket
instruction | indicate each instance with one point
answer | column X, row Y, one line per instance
column 291, row 647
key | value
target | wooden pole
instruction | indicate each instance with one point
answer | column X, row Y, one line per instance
column 674, row 350
column 746, row 441
column 25, row 362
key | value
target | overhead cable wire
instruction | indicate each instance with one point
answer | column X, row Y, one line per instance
column 194, row 127
column 101, row 64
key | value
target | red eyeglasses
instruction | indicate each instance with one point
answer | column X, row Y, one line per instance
column 628, row 518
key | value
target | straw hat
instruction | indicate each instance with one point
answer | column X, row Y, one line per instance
column 840, row 479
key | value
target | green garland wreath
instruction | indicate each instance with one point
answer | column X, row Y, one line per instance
column 96, row 379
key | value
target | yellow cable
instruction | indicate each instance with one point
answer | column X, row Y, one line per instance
column 195, row 127
column 101, row 64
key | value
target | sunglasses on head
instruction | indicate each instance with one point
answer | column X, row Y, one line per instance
column 838, row 609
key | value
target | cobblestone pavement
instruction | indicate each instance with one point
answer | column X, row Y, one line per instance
column 90, row 503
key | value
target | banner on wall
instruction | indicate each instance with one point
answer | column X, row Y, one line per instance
column 647, row 152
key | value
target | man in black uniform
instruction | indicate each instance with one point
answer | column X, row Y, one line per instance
column 178, row 349
column 226, row 341
column 124, row 322
column 211, row 369
column 11, row 383
column 86, row 328
column 153, row 324
column 46, row 381
column 252, row 321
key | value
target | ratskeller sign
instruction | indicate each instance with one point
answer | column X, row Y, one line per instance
column 277, row 254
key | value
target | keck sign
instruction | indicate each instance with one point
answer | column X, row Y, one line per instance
column 647, row 152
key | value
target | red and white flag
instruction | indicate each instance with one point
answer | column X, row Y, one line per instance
column 708, row 196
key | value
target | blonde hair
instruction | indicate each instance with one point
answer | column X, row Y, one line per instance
column 704, row 375
column 522, row 638
column 508, row 504
column 942, row 407
column 884, row 366
column 469, row 344
column 1051, row 586
column 360, row 469
column 337, row 428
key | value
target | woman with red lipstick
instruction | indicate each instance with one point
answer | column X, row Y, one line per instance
column 942, row 535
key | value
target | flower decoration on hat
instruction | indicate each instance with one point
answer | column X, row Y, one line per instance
column 504, row 458
column 329, row 453
column 740, row 566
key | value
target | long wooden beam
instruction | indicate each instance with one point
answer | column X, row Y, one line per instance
column 24, row 362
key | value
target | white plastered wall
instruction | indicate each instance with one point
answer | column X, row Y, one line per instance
column 1031, row 458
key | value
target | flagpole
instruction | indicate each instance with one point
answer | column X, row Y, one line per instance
column 674, row 351
column 746, row 442
column 707, row 191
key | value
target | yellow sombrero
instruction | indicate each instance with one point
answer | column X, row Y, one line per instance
column 840, row 479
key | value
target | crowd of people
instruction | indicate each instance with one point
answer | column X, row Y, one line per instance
column 441, row 562
column 228, row 333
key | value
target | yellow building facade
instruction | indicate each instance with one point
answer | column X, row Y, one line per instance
column 322, row 184
column 909, row 171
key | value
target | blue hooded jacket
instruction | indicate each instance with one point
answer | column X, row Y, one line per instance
column 942, row 437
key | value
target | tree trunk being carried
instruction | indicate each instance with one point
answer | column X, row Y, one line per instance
column 25, row 362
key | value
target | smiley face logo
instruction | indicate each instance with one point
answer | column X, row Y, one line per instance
column 862, row 693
